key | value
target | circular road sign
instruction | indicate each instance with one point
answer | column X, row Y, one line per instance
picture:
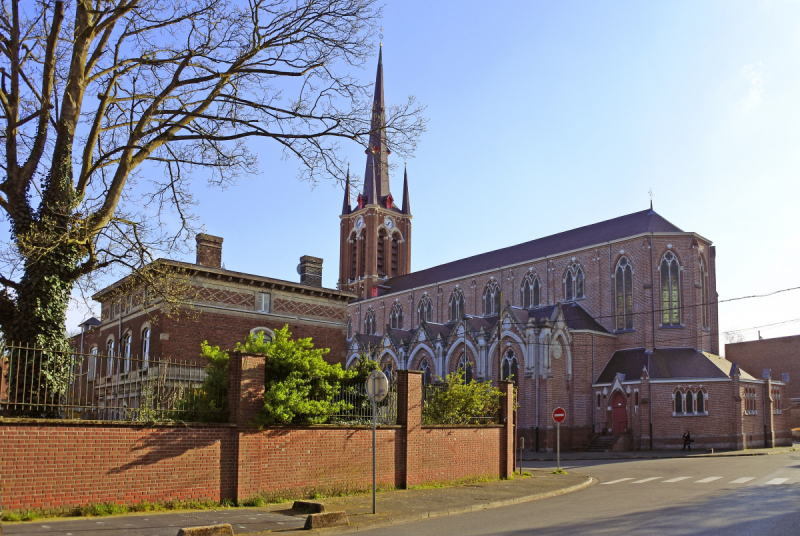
column 559, row 414
column 377, row 385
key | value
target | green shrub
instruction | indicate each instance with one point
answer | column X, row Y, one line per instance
column 457, row 402
column 209, row 402
column 299, row 384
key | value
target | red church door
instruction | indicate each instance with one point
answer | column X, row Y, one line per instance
column 619, row 414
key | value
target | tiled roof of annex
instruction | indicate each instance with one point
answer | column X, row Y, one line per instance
column 646, row 221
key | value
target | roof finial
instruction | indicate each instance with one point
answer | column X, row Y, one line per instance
column 650, row 192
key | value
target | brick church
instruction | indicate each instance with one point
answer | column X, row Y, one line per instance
column 616, row 322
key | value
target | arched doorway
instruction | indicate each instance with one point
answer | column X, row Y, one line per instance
column 619, row 414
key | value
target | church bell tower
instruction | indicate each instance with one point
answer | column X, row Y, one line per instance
column 375, row 233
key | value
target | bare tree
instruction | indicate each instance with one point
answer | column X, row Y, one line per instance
column 113, row 108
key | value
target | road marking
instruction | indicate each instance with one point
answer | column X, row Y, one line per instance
column 671, row 480
column 616, row 481
column 777, row 481
column 707, row 480
column 647, row 480
column 742, row 480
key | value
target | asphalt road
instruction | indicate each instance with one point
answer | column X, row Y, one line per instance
column 746, row 495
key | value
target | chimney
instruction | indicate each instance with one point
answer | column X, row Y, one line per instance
column 310, row 270
column 209, row 250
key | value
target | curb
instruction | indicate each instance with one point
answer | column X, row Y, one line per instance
column 453, row 511
column 667, row 457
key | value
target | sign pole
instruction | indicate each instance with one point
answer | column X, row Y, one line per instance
column 558, row 445
column 374, row 411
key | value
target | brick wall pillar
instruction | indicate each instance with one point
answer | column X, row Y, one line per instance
column 769, row 417
column 507, row 450
column 245, row 400
column 737, row 418
column 644, row 411
column 409, row 416
column 245, row 387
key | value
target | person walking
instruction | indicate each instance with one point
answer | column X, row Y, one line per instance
column 687, row 441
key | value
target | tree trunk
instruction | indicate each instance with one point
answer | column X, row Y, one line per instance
column 39, row 355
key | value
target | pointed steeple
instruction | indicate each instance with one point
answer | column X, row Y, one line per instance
column 379, row 165
column 406, row 203
column 370, row 188
column 346, row 202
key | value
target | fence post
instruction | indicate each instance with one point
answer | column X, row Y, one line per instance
column 409, row 416
column 507, row 450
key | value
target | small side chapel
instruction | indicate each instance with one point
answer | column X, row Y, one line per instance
column 616, row 322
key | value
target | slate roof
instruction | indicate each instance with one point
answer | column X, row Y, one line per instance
column 668, row 363
column 646, row 221
column 575, row 316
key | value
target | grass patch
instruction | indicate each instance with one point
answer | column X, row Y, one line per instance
column 559, row 472
column 459, row 482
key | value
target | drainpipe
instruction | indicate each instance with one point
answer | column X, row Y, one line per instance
column 650, row 398
column 591, row 382
column 537, row 356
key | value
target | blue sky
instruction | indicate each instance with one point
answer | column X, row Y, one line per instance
column 546, row 116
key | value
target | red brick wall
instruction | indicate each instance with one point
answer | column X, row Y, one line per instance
column 781, row 355
column 54, row 467
column 282, row 461
column 456, row 453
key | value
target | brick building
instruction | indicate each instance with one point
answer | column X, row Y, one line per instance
column 225, row 307
column 616, row 322
column 781, row 354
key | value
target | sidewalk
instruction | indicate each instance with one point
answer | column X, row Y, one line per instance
column 529, row 456
column 400, row 506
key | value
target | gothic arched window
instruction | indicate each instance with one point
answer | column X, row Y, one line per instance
column 388, row 371
column 623, row 294
column 465, row 368
column 425, row 311
column 530, row 292
column 369, row 323
column 670, row 290
column 701, row 402
column 509, row 367
column 352, row 243
column 491, row 299
column 362, row 266
column 396, row 317
column 427, row 376
column 457, row 305
column 703, row 295
column 573, row 283
column 689, row 402
column 145, row 347
column 678, row 402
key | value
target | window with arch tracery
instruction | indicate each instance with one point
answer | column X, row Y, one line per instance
column 509, row 368
column 353, row 245
column 369, row 323
column 623, row 294
column 670, row 290
column 457, row 306
column 465, row 369
column 703, row 295
column 530, row 292
column 425, row 310
column 396, row 317
column 689, row 402
column 427, row 375
column 491, row 299
column 388, row 371
column 573, row 283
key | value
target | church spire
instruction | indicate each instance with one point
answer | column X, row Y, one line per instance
column 346, row 202
column 406, row 203
column 379, row 164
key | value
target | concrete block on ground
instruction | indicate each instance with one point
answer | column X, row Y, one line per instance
column 325, row 520
column 210, row 530
column 309, row 506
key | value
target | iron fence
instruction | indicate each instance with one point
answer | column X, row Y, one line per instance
column 444, row 403
column 355, row 407
column 37, row 382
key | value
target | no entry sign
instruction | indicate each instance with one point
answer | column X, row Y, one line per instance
column 559, row 414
